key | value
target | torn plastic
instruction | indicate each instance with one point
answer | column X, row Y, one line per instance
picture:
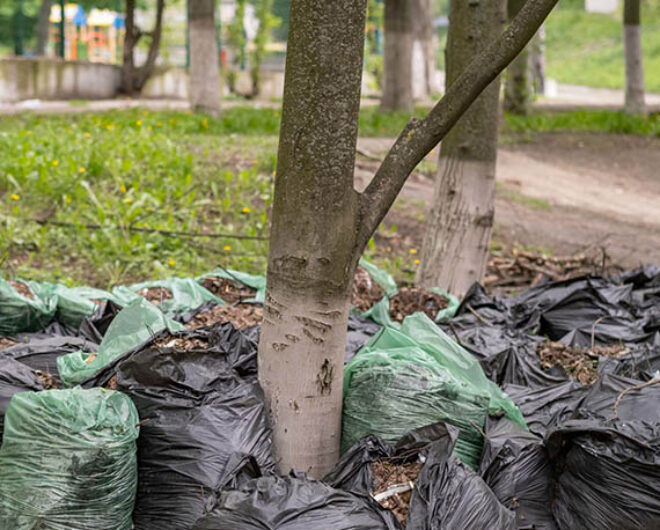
column 294, row 503
column 415, row 377
column 607, row 458
column 199, row 418
column 68, row 461
column 135, row 325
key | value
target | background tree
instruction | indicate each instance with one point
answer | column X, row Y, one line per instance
column 632, row 40
column 517, row 93
column 321, row 224
column 237, row 41
column 133, row 77
column 460, row 220
column 267, row 21
column 204, row 58
column 397, row 69
column 42, row 27
column 424, row 49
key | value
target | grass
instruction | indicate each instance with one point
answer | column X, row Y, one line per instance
column 587, row 48
column 177, row 171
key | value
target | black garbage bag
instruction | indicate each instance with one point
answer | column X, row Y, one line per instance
column 607, row 459
column 450, row 496
column 545, row 408
column 515, row 465
column 40, row 352
column 14, row 377
column 642, row 362
column 199, row 419
column 294, row 503
column 360, row 330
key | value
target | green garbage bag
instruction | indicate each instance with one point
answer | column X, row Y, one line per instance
column 187, row 294
column 68, row 461
column 254, row 281
column 19, row 313
column 382, row 278
column 403, row 380
column 75, row 304
column 134, row 325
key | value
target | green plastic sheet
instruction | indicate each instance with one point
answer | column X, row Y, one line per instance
column 75, row 304
column 68, row 461
column 408, row 378
column 20, row 313
column 382, row 278
column 254, row 281
column 134, row 325
column 187, row 294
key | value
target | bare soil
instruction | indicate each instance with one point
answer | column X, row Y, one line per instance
column 560, row 193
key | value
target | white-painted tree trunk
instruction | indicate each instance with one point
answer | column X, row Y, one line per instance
column 632, row 38
column 204, row 59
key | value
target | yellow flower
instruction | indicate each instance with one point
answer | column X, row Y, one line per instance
column 68, row 199
column 15, row 196
column 158, row 124
column 171, row 263
column 227, row 248
column 70, row 131
column 416, row 262
column 128, row 200
column 413, row 251
column 56, row 163
column 122, row 188
column 246, row 210
column 149, row 128
column 88, row 134
column 81, row 170
column 205, row 123
column 389, row 249
column 138, row 123
column 28, row 133
column 110, row 126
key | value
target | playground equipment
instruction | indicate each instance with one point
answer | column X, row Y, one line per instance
column 97, row 38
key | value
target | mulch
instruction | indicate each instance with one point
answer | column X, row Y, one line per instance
column 389, row 474
column 22, row 289
column 410, row 300
column 6, row 343
column 155, row 295
column 230, row 291
column 241, row 316
column 580, row 363
column 366, row 292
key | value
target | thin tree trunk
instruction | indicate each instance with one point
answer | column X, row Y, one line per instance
column 423, row 50
column 632, row 39
column 204, row 68
column 460, row 220
column 145, row 71
column 42, row 27
column 397, row 83
column 321, row 225
column 517, row 89
column 537, row 60
column 130, row 40
column 313, row 236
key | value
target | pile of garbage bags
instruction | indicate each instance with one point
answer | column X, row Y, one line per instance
column 114, row 416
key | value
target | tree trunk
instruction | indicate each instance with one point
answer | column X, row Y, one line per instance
column 632, row 39
column 460, row 220
column 204, row 68
column 517, row 88
column 424, row 50
column 321, row 225
column 42, row 27
column 133, row 79
column 397, row 82
column 537, row 60
column 313, row 236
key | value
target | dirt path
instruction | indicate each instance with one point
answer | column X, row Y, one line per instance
column 566, row 192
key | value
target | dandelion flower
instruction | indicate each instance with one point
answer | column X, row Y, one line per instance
column 128, row 200
column 138, row 123
column 81, row 170
column 122, row 188
column 56, row 163
column 246, row 210
column 227, row 248
column 171, row 263
column 416, row 262
column 15, row 196
column 413, row 251
column 88, row 134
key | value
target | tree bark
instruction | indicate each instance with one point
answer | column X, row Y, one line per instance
column 460, row 220
column 397, row 68
column 632, row 39
column 313, row 237
column 130, row 40
column 424, row 50
column 204, row 68
column 321, row 225
column 537, row 60
column 42, row 27
column 517, row 89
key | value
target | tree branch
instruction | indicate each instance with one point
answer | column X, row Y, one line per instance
column 421, row 136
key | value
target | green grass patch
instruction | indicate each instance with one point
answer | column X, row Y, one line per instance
column 583, row 121
column 512, row 195
column 587, row 48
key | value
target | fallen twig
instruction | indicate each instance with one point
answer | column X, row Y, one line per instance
column 653, row 381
